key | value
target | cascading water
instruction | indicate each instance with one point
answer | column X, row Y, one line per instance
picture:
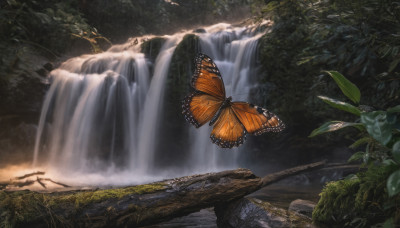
column 234, row 51
column 101, row 115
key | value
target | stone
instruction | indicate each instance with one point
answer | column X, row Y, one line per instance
column 199, row 30
column 252, row 212
column 303, row 207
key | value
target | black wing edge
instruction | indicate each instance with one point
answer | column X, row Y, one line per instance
column 197, row 63
column 229, row 144
column 186, row 109
column 269, row 115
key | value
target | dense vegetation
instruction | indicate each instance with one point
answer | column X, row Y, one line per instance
column 361, row 40
column 370, row 196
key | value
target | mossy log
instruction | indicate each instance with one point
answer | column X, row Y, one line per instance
column 133, row 206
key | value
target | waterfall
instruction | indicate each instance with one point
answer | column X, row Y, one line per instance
column 101, row 116
column 152, row 108
column 233, row 51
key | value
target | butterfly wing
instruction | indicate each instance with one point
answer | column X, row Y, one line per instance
column 207, row 77
column 256, row 120
column 199, row 108
column 228, row 131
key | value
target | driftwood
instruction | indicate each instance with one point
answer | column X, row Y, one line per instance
column 134, row 206
column 19, row 182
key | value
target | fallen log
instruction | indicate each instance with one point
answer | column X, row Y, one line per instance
column 136, row 205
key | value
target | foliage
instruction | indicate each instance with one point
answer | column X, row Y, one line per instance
column 357, row 201
column 379, row 131
column 33, row 35
column 310, row 36
column 120, row 19
column 358, row 37
column 28, row 21
column 285, row 84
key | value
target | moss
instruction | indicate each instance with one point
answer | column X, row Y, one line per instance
column 152, row 47
column 81, row 199
column 269, row 207
column 18, row 207
column 337, row 200
column 26, row 207
column 295, row 220
column 182, row 65
column 360, row 200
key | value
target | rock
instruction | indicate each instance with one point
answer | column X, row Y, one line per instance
column 252, row 212
column 151, row 48
column 304, row 207
column 199, row 30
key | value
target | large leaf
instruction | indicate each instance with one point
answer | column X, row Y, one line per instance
column 360, row 142
column 394, row 109
column 393, row 183
column 333, row 126
column 348, row 88
column 341, row 105
column 356, row 156
column 396, row 151
column 389, row 223
column 379, row 125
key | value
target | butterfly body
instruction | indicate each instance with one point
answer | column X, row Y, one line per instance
column 225, row 104
column 231, row 121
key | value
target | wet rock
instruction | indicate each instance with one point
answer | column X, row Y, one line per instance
column 304, row 207
column 151, row 48
column 251, row 212
column 48, row 66
column 200, row 30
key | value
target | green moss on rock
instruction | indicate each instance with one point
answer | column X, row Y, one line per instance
column 151, row 48
column 182, row 67
column 360, row 200
column 294, row 219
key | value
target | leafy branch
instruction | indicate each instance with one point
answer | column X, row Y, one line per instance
column 379, row 132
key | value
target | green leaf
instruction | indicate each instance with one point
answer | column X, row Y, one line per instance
column 379, row 125
column 351, row 177
column 394, row 109
column 12, row 2
column 389, row 164
column 360, row 142
column 305, row 60
column 332, row 126
column 389, row 223
column 341, row 105
column 394, row 64
column 393, row 183
column 356, row 156
column 396, row 151
column 348, row 88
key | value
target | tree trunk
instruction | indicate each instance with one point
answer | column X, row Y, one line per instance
column 134, row 206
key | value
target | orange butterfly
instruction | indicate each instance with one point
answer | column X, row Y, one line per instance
column 231, row 120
